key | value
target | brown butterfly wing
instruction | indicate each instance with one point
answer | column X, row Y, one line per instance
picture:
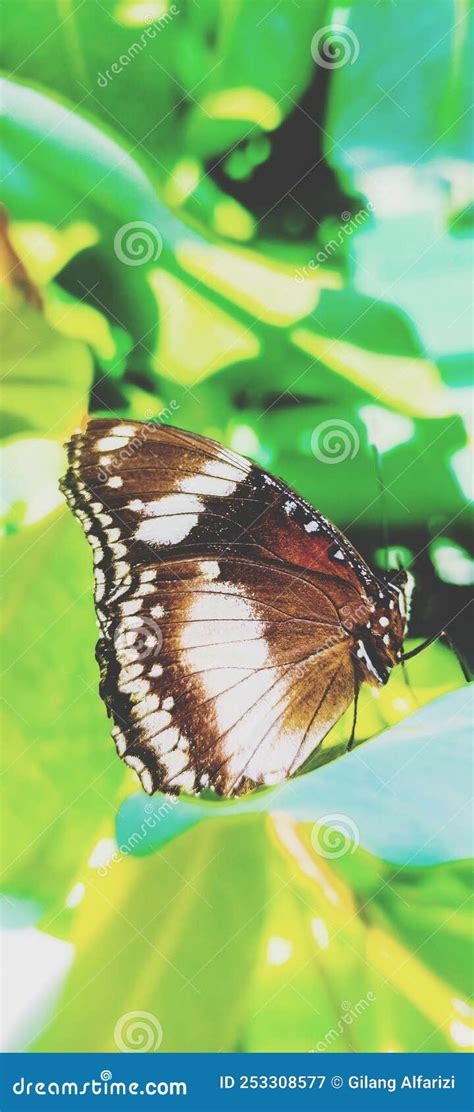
column 226, row 654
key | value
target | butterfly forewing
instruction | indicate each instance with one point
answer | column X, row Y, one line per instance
column 226, row 608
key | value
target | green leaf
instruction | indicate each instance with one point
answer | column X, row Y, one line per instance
column 137, row 951
column 280, row 952
column 61, row 775
column 47, row 376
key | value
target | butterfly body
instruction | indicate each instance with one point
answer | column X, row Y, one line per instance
column 236, row 623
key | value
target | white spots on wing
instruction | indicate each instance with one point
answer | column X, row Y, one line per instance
column 111, row 443
column 183, row 743
column 264, row 721
column 105, row 461
column 206, row 484
column 145, row 589
column 405, row 597
column 112, row 535
column 161, row 741
column 99, row 584
column 120, row 740
column 311, row 527
column 230, row 706
column 103, row 519
column 209, row 569
column 383, row 621
column 151, row 703
column 135, row 688
column 130, row 672
column 174, row 765
column 364, row 656
column 290, row 506
column 168, row 703
column 155, row 728
column 147, row 781
column 219, row 679
column 224, row 470
column 122, row 570
column 157, row 611
column 123, row 430
column 131, row 607
column 230, row 607
column 134, row 762
column 174, row 762
column 233, row 629
column 136, row 505
column 186, row 780
column 204, row 780
column 216, row 478
column 115, row 482
column 174, row 516
column 148, row 576
column 386, row 639
column 156, row 670
column 228, row 636
column 339, row 555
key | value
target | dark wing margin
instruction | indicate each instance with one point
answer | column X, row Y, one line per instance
column 222, row 654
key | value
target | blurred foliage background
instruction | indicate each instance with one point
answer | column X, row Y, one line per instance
column 254, row 220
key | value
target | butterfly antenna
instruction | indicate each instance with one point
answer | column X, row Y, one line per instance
column 383, row 502
column 462, row 664
column 408, row 683
column 442, row 636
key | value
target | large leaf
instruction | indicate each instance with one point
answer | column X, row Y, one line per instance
column 277, row 953
column 60, row 775
column 411, row 760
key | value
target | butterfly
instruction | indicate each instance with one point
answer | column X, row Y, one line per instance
column 237, row 624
